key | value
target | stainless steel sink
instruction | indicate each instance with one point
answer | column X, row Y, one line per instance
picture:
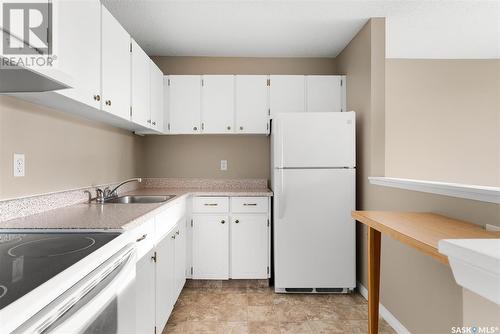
column 132, row 199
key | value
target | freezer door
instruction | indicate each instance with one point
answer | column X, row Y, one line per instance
column 314, row 234
column 314, row 140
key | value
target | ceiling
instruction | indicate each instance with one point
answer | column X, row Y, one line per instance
column 273, row 28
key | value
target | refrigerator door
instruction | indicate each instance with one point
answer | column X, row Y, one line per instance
column 314, row 234
column 324, row 140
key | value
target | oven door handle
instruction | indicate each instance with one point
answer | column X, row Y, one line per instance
column 77, row 297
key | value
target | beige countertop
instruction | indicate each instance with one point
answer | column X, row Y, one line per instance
column 116, row 216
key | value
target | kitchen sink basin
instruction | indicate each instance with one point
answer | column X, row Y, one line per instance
column 133, row 199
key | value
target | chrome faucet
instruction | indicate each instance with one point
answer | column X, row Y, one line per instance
column 104, row 194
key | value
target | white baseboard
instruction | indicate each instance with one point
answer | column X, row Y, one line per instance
column 384, row 313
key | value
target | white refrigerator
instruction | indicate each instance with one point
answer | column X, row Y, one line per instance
column 313, row 179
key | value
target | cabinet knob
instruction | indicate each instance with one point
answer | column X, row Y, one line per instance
column 241, row 128
column 195, row 128
column 236, row 221
column 229, row 128
column 222, row 221
column 173, row 237
column 177, row 232
column 97, row 97
column 108, row 102
column 149, row 121
column 154, row 123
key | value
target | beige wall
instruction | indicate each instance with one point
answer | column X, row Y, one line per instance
column 199, row 156
column 61, row 151
column 443, row 120
column 420, row 292
column 479, row 311
column 236, row 65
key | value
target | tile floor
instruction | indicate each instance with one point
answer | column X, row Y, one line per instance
column 251, row 307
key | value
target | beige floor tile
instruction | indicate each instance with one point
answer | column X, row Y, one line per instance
column 263, row 327
column 204, row 313
column 173, row 328
column 326, row 326
column 202, row 327
column 262, row 313
column 295, row 328
column 238, row 298
column 348, row 299
column 292, row 313
column 180, row 314
column 236, row 313
column 353, row 312
column 257, row 299
column 323, row 312
column 231, row 327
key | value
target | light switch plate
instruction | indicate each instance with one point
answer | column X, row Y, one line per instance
column 223, row 165
column 19, row 165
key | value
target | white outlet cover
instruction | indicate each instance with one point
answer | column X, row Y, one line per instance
column 223, row 165
column 19, row 165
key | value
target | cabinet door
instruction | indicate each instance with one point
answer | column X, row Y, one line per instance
column 251, row 104
column 115, row 66
column 145, row 294
column 210, row 247
column 324, row 93
column 141, row 106
column 180, row 256
column 79, row 48
column 165, row 285
column 287, row 94
column 217, row 103
column 185, row 104
column 166, row 105
column 249, row 246
column 156, row 83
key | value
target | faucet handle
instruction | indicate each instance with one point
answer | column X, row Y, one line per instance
column 99, row 195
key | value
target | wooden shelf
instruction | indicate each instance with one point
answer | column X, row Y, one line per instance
column 422, row 230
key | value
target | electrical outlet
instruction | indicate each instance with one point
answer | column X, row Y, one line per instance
column 19, row 165
column 223, row 165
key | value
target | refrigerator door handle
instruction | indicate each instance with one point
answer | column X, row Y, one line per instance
column 281, row 196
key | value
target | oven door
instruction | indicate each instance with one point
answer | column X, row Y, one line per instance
column 102, row 302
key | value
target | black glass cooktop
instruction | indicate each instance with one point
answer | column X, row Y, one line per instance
column 28, row 260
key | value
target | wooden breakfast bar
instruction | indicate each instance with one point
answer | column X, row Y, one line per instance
column 418, row 230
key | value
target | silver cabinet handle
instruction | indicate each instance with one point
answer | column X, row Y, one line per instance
column 177, row 232
column 210, row 204
column 195, row 128
column 229, row 128
column 108, row 102
column 236, row 221
column 141, row 238
column 154, row 123
column 222, row 221
column 173, row 237
column 249, row 204
column 241, row 128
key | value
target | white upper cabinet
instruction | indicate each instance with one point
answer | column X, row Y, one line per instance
column 325, row 93
column 217, row 103
column 115, row 66
column 141, row 105
column 185, row 104
column 287, row 94
column 156, row 90
column 78, row 37
column 252, row 104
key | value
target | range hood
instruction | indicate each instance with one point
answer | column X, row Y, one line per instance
column 19, row 79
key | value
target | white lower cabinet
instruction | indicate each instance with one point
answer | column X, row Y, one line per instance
column 249, row 239
column 210, row 247
column 234, row 243
column 165, row 279
column 145, row 294
column 180, row 258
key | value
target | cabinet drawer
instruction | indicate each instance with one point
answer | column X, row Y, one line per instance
column 249, row 204
column 211, row 204
column 143, row 236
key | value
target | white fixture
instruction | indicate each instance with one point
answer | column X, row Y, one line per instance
column 19, row 165
column 475, row 192
column 223, row 165
column 475, row 264
column 103, row 299
column 314, row 194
